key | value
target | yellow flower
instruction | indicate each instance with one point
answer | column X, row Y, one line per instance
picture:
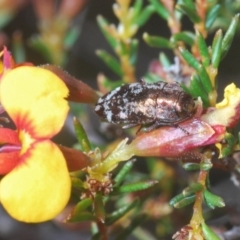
column 227, row 112
column 36, row 186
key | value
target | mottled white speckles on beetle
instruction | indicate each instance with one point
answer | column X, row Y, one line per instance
column 157, row 104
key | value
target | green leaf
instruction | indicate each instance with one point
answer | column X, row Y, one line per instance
column 95, row 231
column 203, row 49
column 181, row 201
column 217, row 49
column 111, row 62
column 226, row 150
column 205, row 79
column 189, row 3
column 79, row 214
column 77, row 183
column 196, row 89
column 213, row 200
column 82, row 217
column 206, row 166
column 137, row 7
column 193, row 188
column 81, row 135
column 185, row 202
column 37, row 44
column 185, row 36
column 208, row 233
column 116, row 215
column 156, row 41
column 83, row 205
column 176, row 199
column 212, row 14
column 164, row 60
column 145, row 15
column 228, row 37
column 6, row 15
column 123, row 48
column 137, row 221
column 134, row 187
column 191, row 166
column 133, row 51
column 189, row 58
column 104, row 25
column 123, row 172
column 18, row 48
column 160, row 9
column 188, row 11
column 71, row 37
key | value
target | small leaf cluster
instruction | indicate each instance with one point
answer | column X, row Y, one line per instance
column 197, row 193
column 204, row 60
column 188, row 195
column 122, row 41
column 93, row 204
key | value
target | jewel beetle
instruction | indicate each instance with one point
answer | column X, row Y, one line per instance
column 147, row 104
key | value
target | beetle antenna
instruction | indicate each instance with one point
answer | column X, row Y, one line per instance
column 184, row 130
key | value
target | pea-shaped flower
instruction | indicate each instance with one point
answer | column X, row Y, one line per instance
column 203, row 129
column 36, row 183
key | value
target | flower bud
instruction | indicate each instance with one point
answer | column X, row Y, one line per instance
column 174, row 141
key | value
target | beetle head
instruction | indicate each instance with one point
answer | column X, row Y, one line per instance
column 186, row 105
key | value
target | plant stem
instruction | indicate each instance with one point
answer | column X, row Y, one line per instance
column 102, row 230
column 197, row 217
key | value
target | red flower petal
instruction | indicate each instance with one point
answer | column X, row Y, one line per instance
column 8, row 136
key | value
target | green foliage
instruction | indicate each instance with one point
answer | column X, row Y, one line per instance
column 209, row 233
column 119, row 178
column 191, row 166
column 213, row 200
column 155, row 41
column 37, row 44
column 80, row 213
column 160, row 9
column 121, row 38
column 81, row 135
column 212, row 15
column 121, row 212
column 188, row 8
column 134, row 187
column 181, row 201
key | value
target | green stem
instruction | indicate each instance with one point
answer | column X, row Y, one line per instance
column 197, row 217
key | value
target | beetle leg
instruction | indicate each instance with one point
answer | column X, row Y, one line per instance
column 139, row 129
column 157, row 125
column 133, row 125
column 130, row 125
column 152, row 127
